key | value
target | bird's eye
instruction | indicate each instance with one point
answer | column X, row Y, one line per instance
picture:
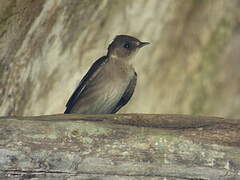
column 127, row 46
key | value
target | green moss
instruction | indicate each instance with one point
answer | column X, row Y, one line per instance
column 210, row 68
column 6, row 12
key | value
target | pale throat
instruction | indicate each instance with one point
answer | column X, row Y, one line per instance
column 128, row 60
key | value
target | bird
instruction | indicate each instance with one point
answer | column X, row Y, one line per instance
column 110, row 82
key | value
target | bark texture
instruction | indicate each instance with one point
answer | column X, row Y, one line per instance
column 191, row 67
column 107, row 147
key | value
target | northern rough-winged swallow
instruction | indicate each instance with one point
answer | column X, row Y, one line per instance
column 110, row 82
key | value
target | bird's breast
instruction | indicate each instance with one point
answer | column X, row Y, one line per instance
column 119, row 73
column 106, row 88
column 116, row 77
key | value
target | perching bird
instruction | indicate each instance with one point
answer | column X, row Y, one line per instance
column 110, row 82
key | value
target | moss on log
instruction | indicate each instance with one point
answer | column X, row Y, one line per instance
column 124, row 146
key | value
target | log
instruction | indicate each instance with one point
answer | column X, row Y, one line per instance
column 122, row 146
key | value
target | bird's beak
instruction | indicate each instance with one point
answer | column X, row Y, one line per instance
column 143, row 44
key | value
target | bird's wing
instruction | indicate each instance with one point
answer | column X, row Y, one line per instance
column 127, row 94
column 73, row 99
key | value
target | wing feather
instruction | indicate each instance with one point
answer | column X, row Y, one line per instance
column 76, row 94
column 127, row 94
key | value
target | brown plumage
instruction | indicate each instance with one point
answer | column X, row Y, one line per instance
column 110, row 82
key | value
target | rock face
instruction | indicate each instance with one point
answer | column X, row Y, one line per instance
column 191, row 67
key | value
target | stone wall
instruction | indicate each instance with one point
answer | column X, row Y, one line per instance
column 191, row 67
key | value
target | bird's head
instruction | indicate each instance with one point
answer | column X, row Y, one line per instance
column 124, row 46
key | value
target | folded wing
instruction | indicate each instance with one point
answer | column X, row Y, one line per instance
column 127, row 94
column 76, row 94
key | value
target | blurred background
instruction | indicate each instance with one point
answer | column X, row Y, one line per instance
column 191, row 67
